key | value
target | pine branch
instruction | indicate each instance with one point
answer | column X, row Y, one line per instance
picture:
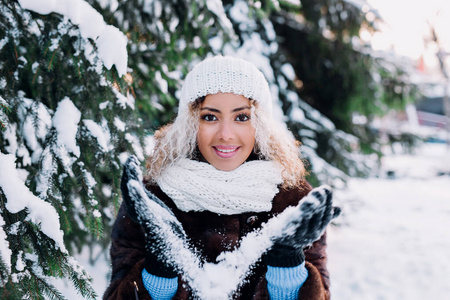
column 41, row 286
column 83, row 285
column 4, row 109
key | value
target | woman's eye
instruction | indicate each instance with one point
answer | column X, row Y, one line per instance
column 243, row 117
column 209, row 117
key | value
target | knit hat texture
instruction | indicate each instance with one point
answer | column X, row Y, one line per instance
column 225, row 74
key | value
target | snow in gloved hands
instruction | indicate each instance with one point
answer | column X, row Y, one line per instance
column 298, row 225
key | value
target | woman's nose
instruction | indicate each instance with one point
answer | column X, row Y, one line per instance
column 226, row 131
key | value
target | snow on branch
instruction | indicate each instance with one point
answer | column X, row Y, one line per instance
column 216, row 7
column 66, row 120
column 4, row 107
column 19, row 197
column 5, row 252
column 111, row 42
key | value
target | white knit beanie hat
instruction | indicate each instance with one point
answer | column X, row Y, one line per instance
column 225, row 74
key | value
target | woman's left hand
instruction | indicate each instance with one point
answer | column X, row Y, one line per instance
column 315, row 213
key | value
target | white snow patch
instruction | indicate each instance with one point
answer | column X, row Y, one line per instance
column 5, row 252
column 66, row 120
column 120, row 125
column 10, row 136
column 111, row 42
column 134, row 141
column 102, row 136
column 20, row 197
column 20, row 264
column 36, row 122
column 394, row 239
column 123, row 100
column 48, row 168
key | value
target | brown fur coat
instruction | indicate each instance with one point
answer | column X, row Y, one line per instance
column 211, row 234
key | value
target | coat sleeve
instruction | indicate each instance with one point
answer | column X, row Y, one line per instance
column 127, row 258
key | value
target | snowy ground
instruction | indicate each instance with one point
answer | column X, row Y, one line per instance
column 393, row 237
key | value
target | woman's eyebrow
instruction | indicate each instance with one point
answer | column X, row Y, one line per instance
column 240, row 108
column 211, row 109
column 218, row 111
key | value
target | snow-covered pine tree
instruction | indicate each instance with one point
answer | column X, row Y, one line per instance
column 70, row 120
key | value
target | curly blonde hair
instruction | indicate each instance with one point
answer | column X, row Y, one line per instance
column 273, row 142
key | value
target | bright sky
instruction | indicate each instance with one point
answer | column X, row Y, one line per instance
column 407, row 29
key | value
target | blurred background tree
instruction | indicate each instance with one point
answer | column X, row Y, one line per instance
column 321, row 76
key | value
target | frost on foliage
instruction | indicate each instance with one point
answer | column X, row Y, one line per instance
column 48, row 168
column 3, row 106
column 101, row 135
column 90, row 182
column 324, row 171
column 110, row 41
column 134, row 141
column 36, row 122
column 312, row 128
column 19, row 197
column 123, row 100
column 216, row 7
column 211, row 281
column 120, row 125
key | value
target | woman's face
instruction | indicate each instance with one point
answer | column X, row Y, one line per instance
column 226, row 136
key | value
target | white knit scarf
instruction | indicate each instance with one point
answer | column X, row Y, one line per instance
column 198, row 186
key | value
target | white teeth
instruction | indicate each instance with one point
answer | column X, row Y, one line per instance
column 225, row 150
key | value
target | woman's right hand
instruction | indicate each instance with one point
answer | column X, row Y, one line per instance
column 153, row 215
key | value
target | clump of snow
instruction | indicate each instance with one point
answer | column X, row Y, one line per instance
column 149, row 145
column 20, row 264
column 163, row 85
column 120, row 125
column 112, row 49
column 216, row 7
column 111, row 42
column 37, row 122
column 5, row 252
column 134, row 141
column 89, row 180
column 10, row 136
column 48, row 168
column 19, row 197
column 65, row 120
column 103, row 105
column 124, row 101
column 102, row 136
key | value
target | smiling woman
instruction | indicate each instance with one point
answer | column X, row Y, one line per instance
column 219, row 174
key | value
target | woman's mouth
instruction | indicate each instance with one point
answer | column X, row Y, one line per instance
column 226, row 151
